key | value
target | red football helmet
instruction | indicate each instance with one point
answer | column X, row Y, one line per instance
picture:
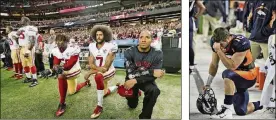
column 126, row 93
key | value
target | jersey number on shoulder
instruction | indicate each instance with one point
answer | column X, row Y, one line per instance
column 100, row 59
column 22, row 36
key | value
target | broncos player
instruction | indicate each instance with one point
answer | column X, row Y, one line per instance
column 234, row 52
column 27, row 37
column 66, row 64
column 102, row 54
column 13, row 40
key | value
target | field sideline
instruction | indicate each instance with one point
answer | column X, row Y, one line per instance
column 20, row 101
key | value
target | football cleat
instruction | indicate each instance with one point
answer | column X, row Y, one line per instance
column 27, row 80
column 88, row 83
column 224, row 113
column 97, row 112
column 34, row 83
column 18, row 77
column 61, row 109
column 14, row 76
column 9, row 69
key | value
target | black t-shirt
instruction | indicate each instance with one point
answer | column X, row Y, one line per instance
column 140, row 65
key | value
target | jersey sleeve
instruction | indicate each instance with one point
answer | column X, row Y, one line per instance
column 129, row 64
column 114, row 48
column 56, row 53
column 158, row 61
column 241, row 44
column 90, row 49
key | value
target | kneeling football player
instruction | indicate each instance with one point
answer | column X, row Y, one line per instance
column 102, row 54
column 241, row 74
column 143, row 66
column 66, row 64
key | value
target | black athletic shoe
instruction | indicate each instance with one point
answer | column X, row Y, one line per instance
column 27, row 80
column 34, row 83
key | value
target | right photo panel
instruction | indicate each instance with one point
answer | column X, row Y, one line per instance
column 232, row 59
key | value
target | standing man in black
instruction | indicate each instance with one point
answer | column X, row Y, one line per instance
column 143, row 66
column 192, row 18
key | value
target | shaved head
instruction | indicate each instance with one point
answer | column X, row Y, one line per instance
column 145, row 32
column 145, row 39
column 9, row 29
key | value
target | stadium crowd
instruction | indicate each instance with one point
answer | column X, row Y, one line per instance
column 123, row 11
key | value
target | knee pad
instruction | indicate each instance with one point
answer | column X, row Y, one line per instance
column 26, row 69
column 99, row 79
column 33, row 69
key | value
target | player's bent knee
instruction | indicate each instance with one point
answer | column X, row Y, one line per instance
column 240, row 111
column 228, row 74
column 99, row 79
column 154, row 91
column 61, row 77
column 132, row 102
column 71, row 92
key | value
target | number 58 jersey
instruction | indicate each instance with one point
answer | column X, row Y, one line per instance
column 100, row 55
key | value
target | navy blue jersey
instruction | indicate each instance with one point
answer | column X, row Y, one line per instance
column 140, row 65
column 239, row 44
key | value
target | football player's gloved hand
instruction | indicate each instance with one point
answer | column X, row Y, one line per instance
column 58, row 69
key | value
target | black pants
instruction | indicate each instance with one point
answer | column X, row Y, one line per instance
column 8, row 60
column 51, row 61
column 151, row 92
column 4, row 62
column 39, row 62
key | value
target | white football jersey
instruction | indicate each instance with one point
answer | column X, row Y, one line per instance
column 100, row 55
column 13, row 44
column 65, row 56
column 25, row 33
column 268, row 92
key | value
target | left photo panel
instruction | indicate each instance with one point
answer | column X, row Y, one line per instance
column 90, row 59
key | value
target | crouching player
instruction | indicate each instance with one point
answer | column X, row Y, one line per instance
column 143, row 66
column 102, row 54
column 234, row 52
column 66, row 64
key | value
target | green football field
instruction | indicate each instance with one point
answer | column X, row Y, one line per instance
column 20, row 101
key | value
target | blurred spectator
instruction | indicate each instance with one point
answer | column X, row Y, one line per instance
column 101, row 14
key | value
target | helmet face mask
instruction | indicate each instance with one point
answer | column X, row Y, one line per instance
column 207, row 103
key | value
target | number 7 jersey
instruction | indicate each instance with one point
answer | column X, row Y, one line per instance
column 100, row 55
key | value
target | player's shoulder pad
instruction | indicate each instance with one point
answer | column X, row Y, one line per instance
column 241, row 43
column 114, row 47
column 55, row 51
column 74, row 49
